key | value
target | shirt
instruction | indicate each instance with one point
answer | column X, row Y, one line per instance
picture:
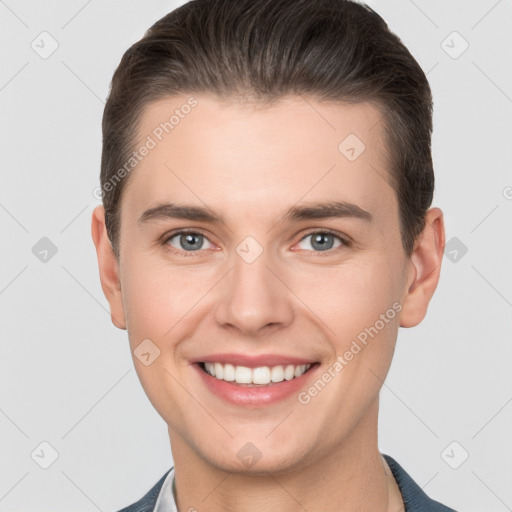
column 160, row 498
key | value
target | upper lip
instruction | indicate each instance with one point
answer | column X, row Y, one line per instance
column 252, row 361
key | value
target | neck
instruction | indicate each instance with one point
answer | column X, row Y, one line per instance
column 348, row 476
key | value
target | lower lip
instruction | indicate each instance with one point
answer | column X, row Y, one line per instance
column 255, row 396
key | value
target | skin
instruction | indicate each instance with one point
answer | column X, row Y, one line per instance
column 250, row 165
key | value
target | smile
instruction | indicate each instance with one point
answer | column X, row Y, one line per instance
column 254, row 387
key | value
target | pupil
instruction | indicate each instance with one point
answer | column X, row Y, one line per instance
column 323, row 244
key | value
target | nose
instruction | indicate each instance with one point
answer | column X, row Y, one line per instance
column 253, row 299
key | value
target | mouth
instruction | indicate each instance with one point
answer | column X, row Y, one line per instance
column 258, row 386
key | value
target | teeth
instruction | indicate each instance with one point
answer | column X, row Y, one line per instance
column 229, row 372
column 261, row 375
column 243, row 375
column 219, row 371
column 299, row 370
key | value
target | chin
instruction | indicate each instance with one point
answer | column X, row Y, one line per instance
column 253, row 458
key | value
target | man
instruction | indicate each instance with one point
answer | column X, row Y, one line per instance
column 265, row 231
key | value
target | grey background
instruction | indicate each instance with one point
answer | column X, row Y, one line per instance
column 67, row 377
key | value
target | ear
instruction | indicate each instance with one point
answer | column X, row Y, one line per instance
column 108, row 267
column 425, row 268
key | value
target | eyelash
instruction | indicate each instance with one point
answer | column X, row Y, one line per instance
column 165, row 239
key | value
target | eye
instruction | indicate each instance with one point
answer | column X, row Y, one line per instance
column 193, row 241
column 321, row 241
column 188, row 241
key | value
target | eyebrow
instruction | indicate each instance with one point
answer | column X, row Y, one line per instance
column 174, row 211
column 325, row 210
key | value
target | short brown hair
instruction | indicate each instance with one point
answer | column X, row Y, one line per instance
column 333, row 50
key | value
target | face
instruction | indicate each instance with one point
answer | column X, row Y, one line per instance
column 261, row 238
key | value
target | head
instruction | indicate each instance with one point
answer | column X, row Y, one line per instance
column 291, row 140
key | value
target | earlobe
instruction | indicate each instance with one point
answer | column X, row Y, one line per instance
column 108, row 267
column 425, row 268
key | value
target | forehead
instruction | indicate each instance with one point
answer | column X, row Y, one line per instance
column 243, row 158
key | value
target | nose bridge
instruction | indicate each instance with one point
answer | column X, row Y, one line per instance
column 252, row 297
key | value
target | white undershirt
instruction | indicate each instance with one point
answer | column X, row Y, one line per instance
column 165, row 501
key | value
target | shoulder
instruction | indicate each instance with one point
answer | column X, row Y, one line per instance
column 148, row 501
column 414, row 497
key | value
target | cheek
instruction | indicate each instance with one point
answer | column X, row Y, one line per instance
column 158, row 301
column 351, row 296
column 157, row 296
